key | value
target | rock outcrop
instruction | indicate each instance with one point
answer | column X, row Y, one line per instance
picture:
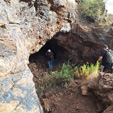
column 102, row 87
column 17, row 94
column 84, row 43
column 25, row 26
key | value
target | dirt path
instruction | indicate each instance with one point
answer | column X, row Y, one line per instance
column 66, row 100
column 70, row 102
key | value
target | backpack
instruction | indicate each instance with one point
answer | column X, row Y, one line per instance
column 109, row 56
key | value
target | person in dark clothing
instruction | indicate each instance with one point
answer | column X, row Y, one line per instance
column 50, row 57
column 103, row 57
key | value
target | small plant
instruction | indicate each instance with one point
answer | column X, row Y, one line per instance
column 85, row 70
column 63, row 77
column 65, row 74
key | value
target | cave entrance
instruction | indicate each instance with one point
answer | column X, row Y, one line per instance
column 38, row 61
column 39, row 68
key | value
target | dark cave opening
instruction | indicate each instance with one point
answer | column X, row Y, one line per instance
column 38, row 62
column 58, row 51
column 61, row 54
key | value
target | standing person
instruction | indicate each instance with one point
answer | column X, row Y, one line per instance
column 50, row 57
column 107, row 58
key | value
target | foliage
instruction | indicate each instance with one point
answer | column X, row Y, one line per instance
column 62, row 77
column 108, row 21
column 85, row 70
column 110, row 18
column 65, row 74
column 91, row 9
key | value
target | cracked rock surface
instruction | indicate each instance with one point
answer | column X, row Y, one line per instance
column 25, row 26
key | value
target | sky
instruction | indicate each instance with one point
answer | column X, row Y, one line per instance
column 109, row 6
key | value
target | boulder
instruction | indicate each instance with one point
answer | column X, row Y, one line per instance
column 17, row 94
column 102, row 89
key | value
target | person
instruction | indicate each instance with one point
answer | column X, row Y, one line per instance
column 103, row 57
column 50, row 57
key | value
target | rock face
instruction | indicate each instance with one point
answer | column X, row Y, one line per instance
column 105, row 88
column 109, row 109
column 25, row 26
column 84, row 43
column 102, row 88
column 17, row 94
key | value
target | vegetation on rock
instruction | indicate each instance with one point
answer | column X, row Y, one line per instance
column 91, row 10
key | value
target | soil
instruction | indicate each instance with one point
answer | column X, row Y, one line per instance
column 68, row 100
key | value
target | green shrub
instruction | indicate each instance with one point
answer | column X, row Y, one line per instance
column 65, row 72
column 91, row 9
column 85, row 70
column 63, row 77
